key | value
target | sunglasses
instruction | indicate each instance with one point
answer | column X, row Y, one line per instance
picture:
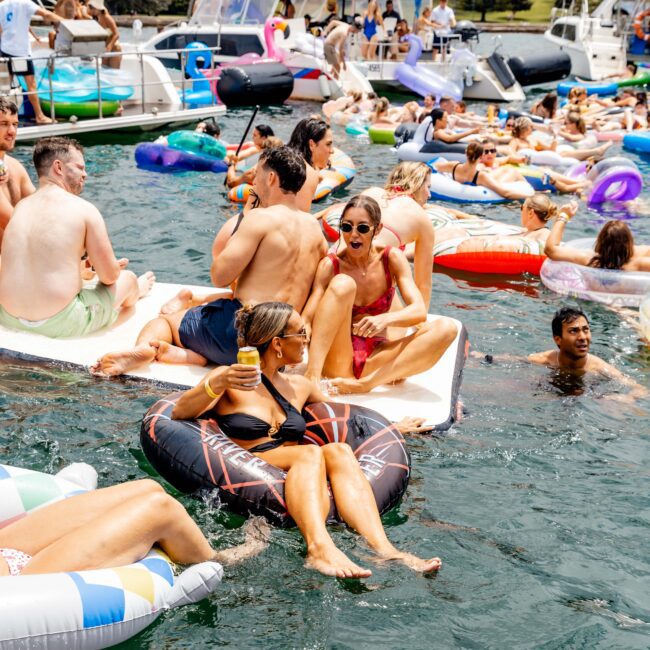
column 362, row 228
column 302, row 333
column 489, row 150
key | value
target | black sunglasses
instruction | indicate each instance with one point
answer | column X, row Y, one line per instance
column 362, row 228
column 489, row 150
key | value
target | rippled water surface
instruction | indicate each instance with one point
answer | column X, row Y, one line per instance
column 537, row 502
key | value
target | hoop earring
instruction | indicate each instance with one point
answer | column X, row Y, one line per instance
column 279, row 355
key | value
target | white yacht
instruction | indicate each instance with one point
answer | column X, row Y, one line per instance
column 598, row 42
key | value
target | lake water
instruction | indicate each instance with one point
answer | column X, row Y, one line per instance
column 537, row 502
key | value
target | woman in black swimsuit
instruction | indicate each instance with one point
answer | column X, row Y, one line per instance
column 265, row 418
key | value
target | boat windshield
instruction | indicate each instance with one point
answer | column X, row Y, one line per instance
column 232, row 12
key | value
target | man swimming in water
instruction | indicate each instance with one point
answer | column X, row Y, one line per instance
column 41, row 289
column 572, row 335
column 273, row 255
column 15, row 183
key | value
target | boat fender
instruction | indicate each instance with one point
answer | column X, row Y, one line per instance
column 324, row 84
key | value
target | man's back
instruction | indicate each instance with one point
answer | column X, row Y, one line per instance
column 290, row 246
column 41, row 254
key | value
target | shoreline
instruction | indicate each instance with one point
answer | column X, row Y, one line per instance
column 126, row 20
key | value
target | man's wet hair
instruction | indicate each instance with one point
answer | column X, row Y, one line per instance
column 213, row 129
column 7, row 106
column 566, row 315
column 289, row 166
column 48, row 150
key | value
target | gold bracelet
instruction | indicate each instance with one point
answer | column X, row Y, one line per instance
column 208, row 389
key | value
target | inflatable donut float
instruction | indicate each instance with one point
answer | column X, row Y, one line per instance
column 611, row 287
column 381, row 134
column 196, row 455
column 638, row 26
column 154, row 156
column 644, row 317
column 339, row 175
column 85, row 609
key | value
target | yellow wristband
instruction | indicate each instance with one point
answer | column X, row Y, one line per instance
column 208, row 389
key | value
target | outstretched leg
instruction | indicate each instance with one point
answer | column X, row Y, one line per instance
column 397, row 360
column 331, row 342
column 308, row 503
column 357, row 506
column 128, row 288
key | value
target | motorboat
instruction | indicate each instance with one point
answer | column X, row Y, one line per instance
column 237, row 30
column 599, row 43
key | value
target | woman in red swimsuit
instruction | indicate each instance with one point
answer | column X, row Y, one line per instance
column 349, row 311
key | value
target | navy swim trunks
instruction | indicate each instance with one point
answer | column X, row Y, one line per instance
column 210, row 331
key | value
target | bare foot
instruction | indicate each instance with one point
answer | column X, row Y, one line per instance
column 119, row 363
column 413, row 562
column 168, row 353
column 345, row 385
column 257, row 534
column 332, row 562
column 182, row 300
column 145, row 282
column 44, row 120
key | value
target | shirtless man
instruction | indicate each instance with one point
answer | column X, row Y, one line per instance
column 15, row 183
column 41, row 288
column 572, row 335
column 336, row 34
column 273, row 255
column 98, row 11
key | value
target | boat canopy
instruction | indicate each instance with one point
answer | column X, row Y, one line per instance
column 231, row 12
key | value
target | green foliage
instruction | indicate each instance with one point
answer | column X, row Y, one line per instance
column 147, row 7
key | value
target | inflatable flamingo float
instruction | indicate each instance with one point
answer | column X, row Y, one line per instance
column 274, row 54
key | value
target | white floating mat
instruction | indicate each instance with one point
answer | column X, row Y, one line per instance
column 432, row 395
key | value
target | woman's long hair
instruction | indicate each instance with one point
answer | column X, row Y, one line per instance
column 257, row 325
column 614, row 246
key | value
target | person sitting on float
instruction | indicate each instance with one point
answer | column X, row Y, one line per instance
column 312, row 138
column 546, row 107
column 523, row 138
column 574, row 128
column 440, row 131
column 537, row 212
column 265, row 418
column 614, row 248
column 502, row 170
column 260, row 134
column 469, row 173
column 349, row 311
column 112, row 527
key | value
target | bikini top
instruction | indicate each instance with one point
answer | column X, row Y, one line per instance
column 472, row 182
column 399, row 239
column 383, row 303
column 242, row 426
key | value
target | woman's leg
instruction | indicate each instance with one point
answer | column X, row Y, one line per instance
column 331, row 339
column 125, row 534
column 44, row 527
column 357, row 506
column 308, row 503
column 397, row 360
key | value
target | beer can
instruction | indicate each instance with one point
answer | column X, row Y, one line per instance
column 249, row 356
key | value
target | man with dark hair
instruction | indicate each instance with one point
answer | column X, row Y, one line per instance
column 41, row 289
column 390, row 11
column 572, row 336
column 15, row 183
column 272, row 252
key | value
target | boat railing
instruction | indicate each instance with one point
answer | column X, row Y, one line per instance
column 149, row 87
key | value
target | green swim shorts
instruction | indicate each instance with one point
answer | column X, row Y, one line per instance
column 90, row 310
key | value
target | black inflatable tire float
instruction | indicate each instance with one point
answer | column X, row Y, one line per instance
column 195, row 455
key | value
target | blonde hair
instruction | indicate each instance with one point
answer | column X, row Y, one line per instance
column 272, row 141
column 257, row 325
column 407, row 177
column 542, row 206
column 381, row 106
column 521, row 124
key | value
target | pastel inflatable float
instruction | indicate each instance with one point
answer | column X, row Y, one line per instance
column 85, row 609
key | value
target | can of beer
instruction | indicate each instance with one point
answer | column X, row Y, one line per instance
column 249, row 356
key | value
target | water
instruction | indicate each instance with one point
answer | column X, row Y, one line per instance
column 537, row 502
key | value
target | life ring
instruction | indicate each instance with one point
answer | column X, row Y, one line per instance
column 195, row 455
column 443, row 187
column 85, row 609
column 158, row 157
column 526, row 256
column 619, row 288
column 638, row 25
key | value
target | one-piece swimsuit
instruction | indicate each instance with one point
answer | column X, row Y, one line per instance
column 363, row 346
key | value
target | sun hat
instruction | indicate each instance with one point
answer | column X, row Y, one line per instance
column 97, row 4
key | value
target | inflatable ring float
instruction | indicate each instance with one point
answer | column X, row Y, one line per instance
column 618, row 288
column 80, row 109
column 381, row 134
column 637, row 142
column 644, row 316
column 85, row 609
column 198, row 143
column 195, row 455
column 158, row 157
column 638, row 25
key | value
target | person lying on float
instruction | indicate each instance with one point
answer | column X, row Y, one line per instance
column 112, row 527
column 349, row 311
column 439, row 130
column 274, row 254
column 572, row 336
column 469, row 173
column 260, row 408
